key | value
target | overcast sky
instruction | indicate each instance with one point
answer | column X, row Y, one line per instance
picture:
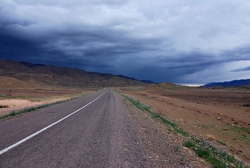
column 187, row 41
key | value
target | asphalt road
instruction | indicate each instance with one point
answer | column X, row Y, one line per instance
column 99, row 134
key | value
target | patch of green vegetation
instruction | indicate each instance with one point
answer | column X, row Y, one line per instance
column 217, row 156
column 207, row 126
column 240, row 129
column 206, row 155
column 244, row 137
column 202, row 153
column 189, row 144
column 225, row 129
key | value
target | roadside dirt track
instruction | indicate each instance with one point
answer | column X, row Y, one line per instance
column 107, row 133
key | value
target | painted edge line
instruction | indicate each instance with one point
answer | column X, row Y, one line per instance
column 49, row 126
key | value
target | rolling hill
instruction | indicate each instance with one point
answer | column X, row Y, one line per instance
column 39, row 75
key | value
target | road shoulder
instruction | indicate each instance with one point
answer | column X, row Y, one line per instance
column 161, row 148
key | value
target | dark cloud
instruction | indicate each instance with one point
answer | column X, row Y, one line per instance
column 161, row 41
column 242, row 69
column 175, row 67
column 71, row 3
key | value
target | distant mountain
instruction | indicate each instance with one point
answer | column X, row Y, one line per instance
column 28, row 64
column 36, row 75
column 122, row 76
column 233, row 83
column 147, row 81
column 143, row 81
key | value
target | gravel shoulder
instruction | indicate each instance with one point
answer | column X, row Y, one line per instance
column 161, row 148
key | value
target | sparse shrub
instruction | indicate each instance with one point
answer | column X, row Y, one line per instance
column 13, row 113
column 218, row 156
column 189, row 144
column 202, row 153
column 246, row 105
column 4, row 106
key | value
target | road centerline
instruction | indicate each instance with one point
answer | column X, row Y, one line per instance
column 49, row 126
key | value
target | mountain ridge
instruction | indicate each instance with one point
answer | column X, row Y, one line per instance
column 233, row 83
column 49, row 75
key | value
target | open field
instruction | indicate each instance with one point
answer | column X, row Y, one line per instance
column 220, row 115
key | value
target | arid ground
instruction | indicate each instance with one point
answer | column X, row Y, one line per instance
column 23, row 98
column 221, row 115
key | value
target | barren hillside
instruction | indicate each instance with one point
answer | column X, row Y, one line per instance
column 15, row 74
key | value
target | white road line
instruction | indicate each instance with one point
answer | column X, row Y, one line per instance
column 51, row 125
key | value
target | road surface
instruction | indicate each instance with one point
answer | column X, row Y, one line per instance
column 93, row 131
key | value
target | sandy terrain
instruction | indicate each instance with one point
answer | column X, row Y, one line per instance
column 19, row 99
column 19, row 104
column 216, row 114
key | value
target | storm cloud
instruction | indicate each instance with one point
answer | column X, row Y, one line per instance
column 187, row 41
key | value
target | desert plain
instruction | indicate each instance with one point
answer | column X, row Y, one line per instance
column 221, row 115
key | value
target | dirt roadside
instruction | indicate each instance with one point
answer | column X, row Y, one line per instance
column 18, row 100
column 11, row 105
column 162, row 148
column 217, row 115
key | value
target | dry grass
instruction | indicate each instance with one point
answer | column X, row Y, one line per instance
column 210, row 137
column 26, row 98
